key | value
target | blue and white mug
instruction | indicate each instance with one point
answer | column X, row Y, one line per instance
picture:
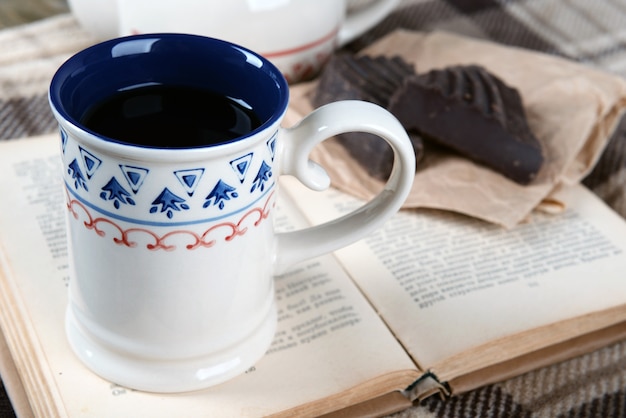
column 172, row 247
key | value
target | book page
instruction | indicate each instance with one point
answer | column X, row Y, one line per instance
column 329, row 345
column 447, row 283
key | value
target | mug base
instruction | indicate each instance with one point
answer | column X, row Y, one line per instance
column 170, row 376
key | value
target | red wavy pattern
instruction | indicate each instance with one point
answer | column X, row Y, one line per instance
column 160, row 242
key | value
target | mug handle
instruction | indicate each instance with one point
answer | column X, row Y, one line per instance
column 364, row 18
column 298, row 142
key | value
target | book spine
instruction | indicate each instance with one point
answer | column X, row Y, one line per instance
column 427, row 385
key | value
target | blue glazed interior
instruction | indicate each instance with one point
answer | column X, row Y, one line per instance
column 100, row 71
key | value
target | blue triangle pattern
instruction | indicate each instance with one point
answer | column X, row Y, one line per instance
column 241, row 165
column 271, row 146
column 90, row 162
column 63, row 140
column 189, row 179
column 135, row 176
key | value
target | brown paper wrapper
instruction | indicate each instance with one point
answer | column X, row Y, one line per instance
column 572, row 109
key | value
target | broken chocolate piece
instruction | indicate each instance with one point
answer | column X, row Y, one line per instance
column 372, row 79
column 472, row 111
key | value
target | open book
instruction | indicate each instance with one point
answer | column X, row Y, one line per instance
column 432, row 303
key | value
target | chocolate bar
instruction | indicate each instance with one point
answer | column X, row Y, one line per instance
column 474, row 112
column 372, row 79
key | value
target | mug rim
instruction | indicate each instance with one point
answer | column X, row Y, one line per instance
column 75, row 65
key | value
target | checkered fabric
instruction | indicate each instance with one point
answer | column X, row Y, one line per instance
column 592, row 32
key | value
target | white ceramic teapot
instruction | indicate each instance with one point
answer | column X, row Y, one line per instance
column 298, row 36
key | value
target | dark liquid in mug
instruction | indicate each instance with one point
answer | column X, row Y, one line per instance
column 165, row 116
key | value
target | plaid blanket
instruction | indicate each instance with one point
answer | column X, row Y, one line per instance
column 590, row 32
